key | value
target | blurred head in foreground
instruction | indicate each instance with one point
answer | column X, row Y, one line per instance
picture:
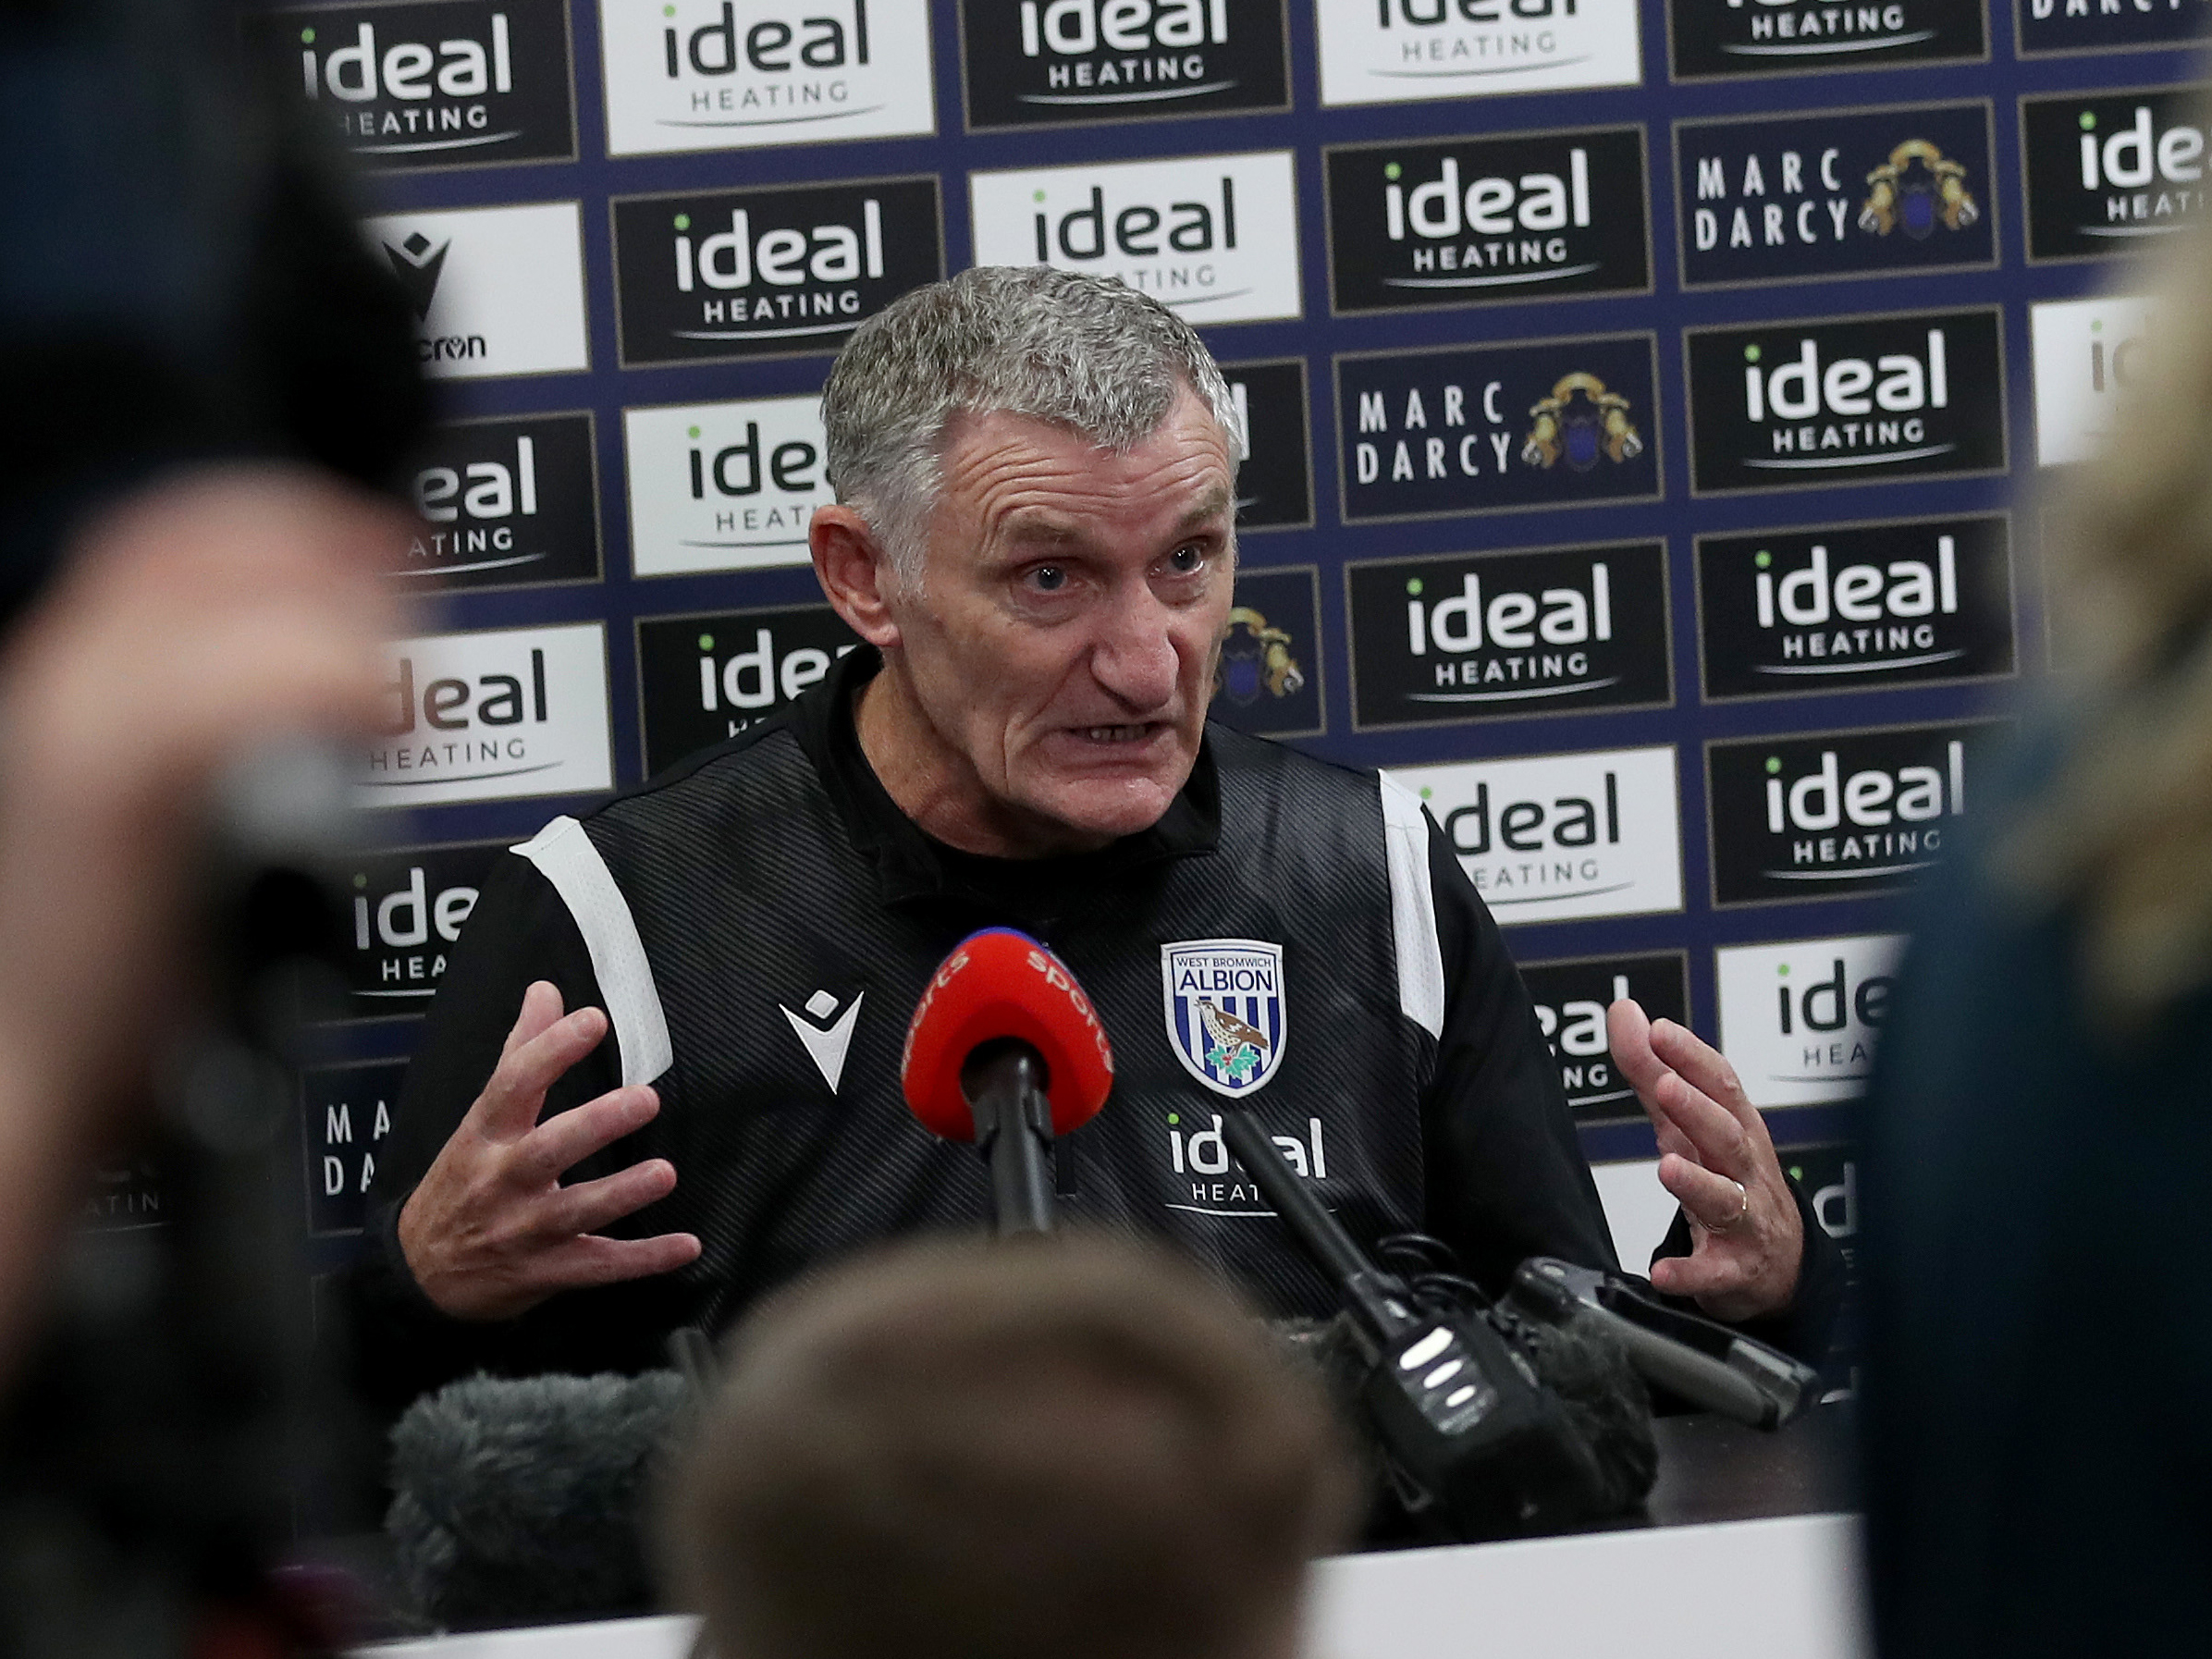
column 1075, row 1447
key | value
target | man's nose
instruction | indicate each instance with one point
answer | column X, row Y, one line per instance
column 1133, row 655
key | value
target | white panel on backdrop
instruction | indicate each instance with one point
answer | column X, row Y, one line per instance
column 1214, row 237
column 495, row 291
column 723, row 486
column 1555, row 838
column 709, row 75
column 1394, row 51
column 2087, row 352
column 491, row 717
column 1799, row 1021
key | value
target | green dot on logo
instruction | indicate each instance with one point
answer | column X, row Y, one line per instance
column 1751, row 354
column 307, row 37
column 2088, row 119
column 1783, row 970
column 1036, row 195
column 693, row 431
column 684, row 221
column 1761, row 558
column 1393, row 172
column 1797, row 1171
column 1774, row 765
column 706, row 642
column 361, row 882
column 1426, row 792
column 2098, row 326
column 1175, row 1117
column 668, row 11
column 1413, row 586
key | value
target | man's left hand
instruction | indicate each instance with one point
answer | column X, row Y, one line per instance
column 1715, row 1158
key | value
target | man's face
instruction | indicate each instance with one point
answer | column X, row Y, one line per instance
column 1062, row 650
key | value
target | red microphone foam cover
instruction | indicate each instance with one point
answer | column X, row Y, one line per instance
column 999, row 983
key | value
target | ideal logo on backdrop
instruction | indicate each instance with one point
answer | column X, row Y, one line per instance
column 1479, row 429
column 345, row 1118
column 1495, row 635
column 506, row 503
column 1801, row 1021
column 704, row 678
column 769, row 272
column 714, row 75
column 2047, row 26
column 437, row 83
column 1837, row 814
column 1571, row 998
column 1214, row 237
column 1468, row 221
column 723, row 486
column 1799, row 196
column 1855, row 608
column 2108, row 173
column 1057, row 62
column 1787, row 37
column 1799, row 405
column 409, row 905
column 1557, row 838
column 1274, row 480
column 2087, row 354
column 491, row 717
column 1268, row 679
column 495, row 290
column 1395, row 51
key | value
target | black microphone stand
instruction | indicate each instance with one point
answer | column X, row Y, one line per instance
column 1005, row 1082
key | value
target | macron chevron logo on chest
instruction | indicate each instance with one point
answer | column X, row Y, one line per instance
column 826, row 1038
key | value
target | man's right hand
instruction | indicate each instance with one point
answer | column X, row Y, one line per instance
column 491, row 1232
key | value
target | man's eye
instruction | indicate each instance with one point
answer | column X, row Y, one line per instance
column 1185, row 560
column 1049, row 578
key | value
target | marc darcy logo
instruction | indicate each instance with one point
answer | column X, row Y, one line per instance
column 1483, row 428
column 1267, row 679
column 1855, row 607
column 1057, row 62
column 1801, row 1021
column 2047, row 26
column 1390, row 51
column 345, row 1117
column 1814, row 196
column 495, row 290
column 1785, row 37
column 2088, row 354
column 720, row 75
column 1571, row 998
column 1469, row 221
column 440, row 83
column 707, row 677
column 768, row 273
column 1506, row 635
column 723, row 486
column 1800, row 405
column 506, row 503
column 2109, row 173
column 1837, row 814
column 1274, row 477
column 408, row 907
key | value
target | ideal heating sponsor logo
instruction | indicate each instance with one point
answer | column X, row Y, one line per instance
column 1787, row 405
column 1268, row 677
column 1841, row 814
column 408, row 907
column 707, row 677
column 2048, row 26
column 1394, row 51
column 495, row 290
column 723, row 486
column 1481, row 428
column 1855, row 607
column 490, row 717
column 346, row 1115
column 1274, row 474
column 1465, row 221
column 1801, row 1021
column 2109, row 173
column 2088, row 354
column 1814, row 196
column 1787, row 37
column 1571, row 998
column 768, row 272
column 1212, row 236
column 1058, row 62
column 442, row 83
column 1557, row 838
column 718, row 75
column 1556, row 630
column 506, row 503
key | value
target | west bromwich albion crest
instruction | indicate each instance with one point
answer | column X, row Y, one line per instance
column 1226, row 1016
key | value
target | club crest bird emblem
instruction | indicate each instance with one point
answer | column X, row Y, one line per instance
column 1580, row 422
column 1914, row 190
column 1226, row 1012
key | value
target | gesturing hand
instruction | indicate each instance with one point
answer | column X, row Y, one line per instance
column 1714, row 1157
column 491, row 1232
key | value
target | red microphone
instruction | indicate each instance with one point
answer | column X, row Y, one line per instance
column 1004, row 1049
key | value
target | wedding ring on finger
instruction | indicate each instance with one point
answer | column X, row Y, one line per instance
column 1742, row 1209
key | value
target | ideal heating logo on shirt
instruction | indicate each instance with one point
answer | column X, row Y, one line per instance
column 506, row 503
column 1795, row 405
column 769, row 272
column 408, row 907
column 2048, row 26
column 495, row 290
column 1807, row 196
column 718, row 75
column 1392, row 51
column 1465, row 221
column 1053, row 62
column 1212, row 236
column 1571, row 998
column 491, row 717
column 706, row 677
column 1788, row 37
column 1555, row 629
column 1556, row 837
column 1855, row 607
column 1801, row 1021
column 2088, row 354
column 723, row 486
column 438, row 83
column 345, row 1117
column 1274, row 475
column 2112, row 172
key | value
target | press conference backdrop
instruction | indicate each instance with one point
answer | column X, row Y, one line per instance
column 1642, row 397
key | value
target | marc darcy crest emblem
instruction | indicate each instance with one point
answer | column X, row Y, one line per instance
column 1256, row 660
column 1227, row 1018
column 1579, row 423
column 1916, row 190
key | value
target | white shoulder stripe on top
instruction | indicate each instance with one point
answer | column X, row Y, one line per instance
column 565, row 856
column 1413, row 907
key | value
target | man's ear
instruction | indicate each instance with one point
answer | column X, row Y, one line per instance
column 855, row 571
